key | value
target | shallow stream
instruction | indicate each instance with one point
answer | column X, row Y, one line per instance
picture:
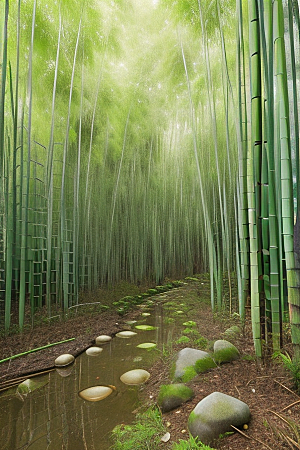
column 55, row 417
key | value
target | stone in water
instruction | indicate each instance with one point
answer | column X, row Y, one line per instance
column 64, row 360
column 93, row 351
column 102, row 339
column 146, row 345
column 126, row 334
column 145, row 327
column 96, row 393
column 134, row 377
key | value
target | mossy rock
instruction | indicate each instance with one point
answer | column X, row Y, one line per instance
column 204, row 364
column 30, row 385
column 173, row 395
column 215, row 414
column 189, row 374
column 224, row 352
column 185, row 363
column 232, row 332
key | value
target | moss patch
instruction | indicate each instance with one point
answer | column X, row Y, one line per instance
column 189, row 374
column 173, row 395
column 226, row 355
column 204, row 364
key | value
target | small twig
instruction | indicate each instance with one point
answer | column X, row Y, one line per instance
column 289, row 406
column 282, row 385
column 279, row 416
column 292, row 441
column 238, row 391
column 251, row 438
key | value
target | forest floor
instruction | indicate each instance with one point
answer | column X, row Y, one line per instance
column 264, row 385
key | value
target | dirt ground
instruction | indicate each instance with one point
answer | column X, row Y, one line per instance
column 265, row 386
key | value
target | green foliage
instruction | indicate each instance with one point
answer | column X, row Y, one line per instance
column 190, row 324
column 152, row 291
column 190, row 444
column 144, row 434
column 183, row 340
column 292, row 366
column 201, row 343
column 191, row 332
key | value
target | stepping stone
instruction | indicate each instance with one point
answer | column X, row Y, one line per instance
column 93, row 351
column 103, row 339
column 224, row 352
column 135, row 376
column 215, row 414
column 64, row 360
column 173, row 395
column 96, row 393
column 126, row 334
column 147, row 345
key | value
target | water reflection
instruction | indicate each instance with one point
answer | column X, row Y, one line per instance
column 54, row 416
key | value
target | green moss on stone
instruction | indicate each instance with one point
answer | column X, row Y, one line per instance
column 192, row 418
column 204, row 364
column 189, row 374
column 226, row 355
column 174, row 390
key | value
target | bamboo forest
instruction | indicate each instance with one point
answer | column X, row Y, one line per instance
column 151, row 139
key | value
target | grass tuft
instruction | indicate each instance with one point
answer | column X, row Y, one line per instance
column 144, row 433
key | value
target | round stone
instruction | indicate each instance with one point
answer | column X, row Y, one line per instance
column 126, row 334
column 146, row 345
column 145, row 327
column 93, row 351
column 64, row 360
column 134, row 377
column 96, row 393
column 145, row 314
column 102, row 339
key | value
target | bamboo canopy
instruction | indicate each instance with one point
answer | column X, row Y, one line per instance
column 150, row 141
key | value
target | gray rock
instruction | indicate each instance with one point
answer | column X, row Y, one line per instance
column 215, row 414
column 186, row 360
column 173, row 395
column 224, row 351
column 232, row 332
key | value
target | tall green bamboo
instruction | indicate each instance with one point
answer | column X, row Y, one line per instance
column 254, row 174
column 24, row 231
column 283, row 130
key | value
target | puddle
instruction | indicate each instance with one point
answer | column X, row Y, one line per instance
column 55, row 417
